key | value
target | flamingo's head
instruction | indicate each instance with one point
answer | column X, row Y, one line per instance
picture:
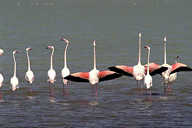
column 176, row 57
column 139, row 35
column 165, row 39
column 49, row 47
column 147, row 47
column 29, row 48
column 66, row 41
column 94, row 44
column 15, row 52
column 1, row 51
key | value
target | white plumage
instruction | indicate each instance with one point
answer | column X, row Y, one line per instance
column 14, row 80
column 29, row 76
column 1, row 76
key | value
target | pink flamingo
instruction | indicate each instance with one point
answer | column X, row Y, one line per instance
column 1, row 76
column 170, row 75
column 65, row 71
column 138, row 71
column 14, row 80
column 94, row 76
column 29, row 75
column 148, row 77
column 51, row 73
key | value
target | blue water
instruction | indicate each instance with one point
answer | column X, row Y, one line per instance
column 115, row 26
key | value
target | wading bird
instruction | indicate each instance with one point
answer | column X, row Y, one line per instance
column 94, row 76
column 170, row 75
column 148, row 77
column 29, row 76
column 138, row 71
column 51, row 73
column 65, row 71
column 1, row 76
column 14, row 80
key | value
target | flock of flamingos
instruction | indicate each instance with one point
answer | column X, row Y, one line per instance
column 139, row 72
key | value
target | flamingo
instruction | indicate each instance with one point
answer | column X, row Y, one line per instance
column 51, row 73
column 1, row 76
column 138, row 71
column 94, row 76
column 14, row 80
column 148, row 77
column 29, row 76
column 1, row 51
column 65, row 71
column 170, row 75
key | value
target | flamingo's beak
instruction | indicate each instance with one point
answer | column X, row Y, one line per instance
column 16, row 51
column 62, row 39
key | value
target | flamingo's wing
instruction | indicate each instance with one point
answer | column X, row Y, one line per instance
column 78, row 77
column 108, row 75
column 155, row 69
column 177, row 67
column 121, row 69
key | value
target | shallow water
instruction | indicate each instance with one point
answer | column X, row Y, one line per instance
column 115, row 26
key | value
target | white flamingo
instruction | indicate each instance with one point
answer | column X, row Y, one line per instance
column 170, row 75
column 51, row 73
column 94, row 76
column 148, row 77
column 29, row 76
column 14, row 80
column 1, row 76
column 138, row 71
column 65, row 71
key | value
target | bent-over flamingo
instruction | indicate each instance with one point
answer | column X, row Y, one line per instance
column 94, row 76
column 65, row 71
column 29, row 76
column 51, row 73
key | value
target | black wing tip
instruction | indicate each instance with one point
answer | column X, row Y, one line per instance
column 119, row 71
column 110, row 77
column 158, row 71
column 75, row 79
column 182, row 69
column 112, row 68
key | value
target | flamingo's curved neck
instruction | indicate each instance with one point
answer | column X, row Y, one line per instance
column 94, row 58
column 148, row 62
column 14, row 65
column 51, row 61
column 165, row 56
column 139, row 58
column 65, row 56
column 29, row 65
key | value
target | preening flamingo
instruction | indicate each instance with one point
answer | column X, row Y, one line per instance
column 51, row 73
column 138, row 71
column 14, row 80
column 1, row 76
column 148, row 77
column 29, row 76
column 94, row 76
column 65, row 71
column 170, row 75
